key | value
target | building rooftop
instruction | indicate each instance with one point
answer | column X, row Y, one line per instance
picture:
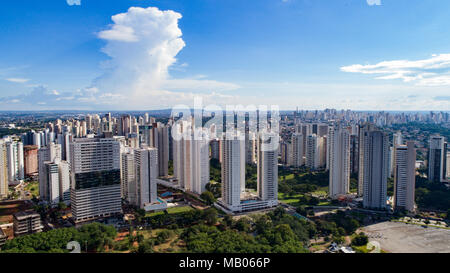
column 25, row 214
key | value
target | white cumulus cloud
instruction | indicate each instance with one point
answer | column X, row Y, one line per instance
column 142, row 45
column 434, row 71
column 374, row 2
column 18, row 80
column 73, row 2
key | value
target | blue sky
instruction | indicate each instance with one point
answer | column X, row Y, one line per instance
column 314, row 54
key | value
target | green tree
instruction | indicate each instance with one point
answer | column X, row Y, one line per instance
column 243, row 225
column 208, row 197
column 360, row 240
column 62, row 206
column 263, row 223
column 95, row 236
column 338, row 239
column 146, row 247
column 228, row 220
column 210, row 216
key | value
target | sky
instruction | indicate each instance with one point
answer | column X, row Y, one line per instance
column 155, row 54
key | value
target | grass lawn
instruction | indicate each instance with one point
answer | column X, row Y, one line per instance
column 170, row 211
column 323, row 191
column 287, row 177
column 291, row 200
column 179, row 209
column 33, row 188
column 363, row 249
column 291, row 176
column 324, row 203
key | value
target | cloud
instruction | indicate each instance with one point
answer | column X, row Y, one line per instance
column 374, row 2
column 73, row 2
column 41, row 97
column 434, row 71
column 312, row 96
column 17, row 80
column 142, row 44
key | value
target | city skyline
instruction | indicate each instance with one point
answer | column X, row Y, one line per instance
column 336, row 168
column 243, row 129
column 88, row 55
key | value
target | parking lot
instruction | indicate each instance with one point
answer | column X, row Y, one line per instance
column 398, row 237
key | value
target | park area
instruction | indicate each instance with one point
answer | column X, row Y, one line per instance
column 172, row 210
column 33, row 188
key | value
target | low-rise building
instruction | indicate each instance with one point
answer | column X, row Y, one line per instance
column 27, row 222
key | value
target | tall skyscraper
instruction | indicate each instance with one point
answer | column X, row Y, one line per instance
column 267, row 167
column 16, row 169
column 215, row 148
column 145, row 134
column 28, row 138
column 285, row 153
column 199, row 161
column 448, row 165
column 30, row 160
column 363, row 129
column 339, row 161
column 37, row 137
column 191, row 158
column 128, row 176
column 51, row 172
column 397, row 140
column 64, row 181
column 178, row 161
column 95, row 178
column 312, row 152
column 180, row 152
column 306, row 130
column 163, row 149
column 234, row 196
column 323, row 152
column 57, row 178
column 405, row 176
column 125, row 125
column 297, row 150
column 88, row 120
column 322, row 130
column 250, row 148
column 374, row 167
column 64, row 140
column 354, row 154
column 437, row 157
column 146, row 172
column 3, row 170
column 233, row 170
column 51, row 153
